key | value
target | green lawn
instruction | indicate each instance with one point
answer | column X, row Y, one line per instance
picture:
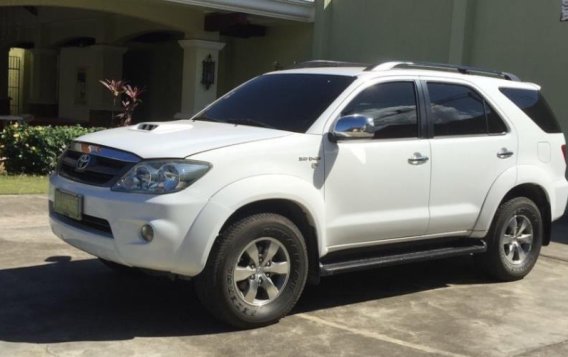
column 22, row 184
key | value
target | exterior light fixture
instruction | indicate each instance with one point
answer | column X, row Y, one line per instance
column 208, row 72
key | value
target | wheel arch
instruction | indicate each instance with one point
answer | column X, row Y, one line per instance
column 533, row 191
column 539, row 196
column 529, row 181
column 289, row 196
column 295, row 212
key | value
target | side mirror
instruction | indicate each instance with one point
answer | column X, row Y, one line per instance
column 352, row 127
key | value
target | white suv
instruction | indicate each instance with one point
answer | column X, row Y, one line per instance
column 318, row 170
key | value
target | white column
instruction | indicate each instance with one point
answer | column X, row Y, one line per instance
column 195, row 96
column 43, row 85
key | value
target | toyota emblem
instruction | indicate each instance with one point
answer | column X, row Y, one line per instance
column 83, row 162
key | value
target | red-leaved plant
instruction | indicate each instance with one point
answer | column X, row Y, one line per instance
column 129, row 99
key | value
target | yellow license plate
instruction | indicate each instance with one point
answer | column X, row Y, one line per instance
column 68, row 204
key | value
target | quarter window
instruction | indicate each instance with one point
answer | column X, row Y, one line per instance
column 392, row 107
column 535, row 107
column 459, row 110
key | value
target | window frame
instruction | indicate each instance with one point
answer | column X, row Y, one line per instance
column 488, row 103
column 421, row 122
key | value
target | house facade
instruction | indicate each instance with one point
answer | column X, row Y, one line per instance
column 56, row 51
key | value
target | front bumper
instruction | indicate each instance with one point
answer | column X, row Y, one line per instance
column 171, row 216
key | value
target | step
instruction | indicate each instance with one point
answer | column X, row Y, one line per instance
column 411, row 256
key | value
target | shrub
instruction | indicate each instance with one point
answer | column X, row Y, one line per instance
column 35, row 149
column 128, row 96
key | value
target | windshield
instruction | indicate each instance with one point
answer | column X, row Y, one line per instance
column 284, row 101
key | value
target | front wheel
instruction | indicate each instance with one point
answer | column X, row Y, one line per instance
column 514, row 240
column 256, row 271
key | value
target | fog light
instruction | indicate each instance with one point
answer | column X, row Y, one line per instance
column 147, row 232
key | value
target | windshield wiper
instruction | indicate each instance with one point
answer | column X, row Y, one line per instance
column 247, row 121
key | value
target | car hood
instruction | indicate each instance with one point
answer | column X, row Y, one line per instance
column 178, row 139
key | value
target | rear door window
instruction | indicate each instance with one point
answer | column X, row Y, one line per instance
column 459, row 110
column 535, row 107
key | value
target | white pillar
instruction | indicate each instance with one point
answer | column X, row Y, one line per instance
column 43, row 85
column 195, row 96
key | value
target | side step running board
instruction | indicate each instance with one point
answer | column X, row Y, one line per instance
column 477, row 246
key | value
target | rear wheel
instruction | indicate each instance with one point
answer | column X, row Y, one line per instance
column 256, row 271
column 514, row 240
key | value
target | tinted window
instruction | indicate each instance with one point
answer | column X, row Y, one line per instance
column 459, row 110
column 392, row 106
column 289, row 102
column 495, row 124
column 456, row 110
column 535, row 107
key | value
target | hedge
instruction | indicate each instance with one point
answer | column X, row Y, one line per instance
column 35, row 149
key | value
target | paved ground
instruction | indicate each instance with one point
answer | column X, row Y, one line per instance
column 57, row 301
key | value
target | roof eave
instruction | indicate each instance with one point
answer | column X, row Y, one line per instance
column 295, row 10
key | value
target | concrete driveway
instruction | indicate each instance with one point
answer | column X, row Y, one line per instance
column 56, row 300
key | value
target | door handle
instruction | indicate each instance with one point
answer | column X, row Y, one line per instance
column 504, row 153
column 417, row 159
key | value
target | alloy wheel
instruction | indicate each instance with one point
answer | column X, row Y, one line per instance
column 262, row 271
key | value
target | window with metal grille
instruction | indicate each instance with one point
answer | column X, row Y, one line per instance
column 14, row 68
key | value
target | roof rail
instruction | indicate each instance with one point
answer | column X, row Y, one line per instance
column 444, row 67
column 324, row 63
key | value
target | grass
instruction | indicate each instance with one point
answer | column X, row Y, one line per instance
column 22, row 184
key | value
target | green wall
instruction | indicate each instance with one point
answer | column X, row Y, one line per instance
column 242, row 59
column 527, row 38
column 372, row 30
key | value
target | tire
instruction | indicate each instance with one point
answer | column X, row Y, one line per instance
column 513, row 252
column 256, row 271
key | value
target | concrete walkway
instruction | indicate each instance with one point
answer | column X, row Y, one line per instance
column 58, row 301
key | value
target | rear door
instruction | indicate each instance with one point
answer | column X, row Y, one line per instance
column 471, row 146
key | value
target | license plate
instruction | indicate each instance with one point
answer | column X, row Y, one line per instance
column 68, row 204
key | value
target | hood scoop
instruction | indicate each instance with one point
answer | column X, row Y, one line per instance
column 147, row 126
column 161, row 128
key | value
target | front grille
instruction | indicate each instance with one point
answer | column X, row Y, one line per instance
column 105, row 166
column 89, row 223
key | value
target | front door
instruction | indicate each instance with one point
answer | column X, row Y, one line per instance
column 378, row 188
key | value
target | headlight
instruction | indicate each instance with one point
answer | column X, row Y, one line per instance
column 161, row 176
